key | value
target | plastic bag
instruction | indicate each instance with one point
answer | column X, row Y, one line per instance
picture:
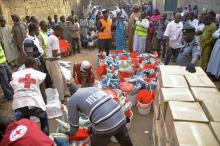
column 53, row 107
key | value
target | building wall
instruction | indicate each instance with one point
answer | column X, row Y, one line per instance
column 210, row 4
column 39, row 8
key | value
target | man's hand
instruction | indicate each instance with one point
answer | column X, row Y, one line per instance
column 191, row 68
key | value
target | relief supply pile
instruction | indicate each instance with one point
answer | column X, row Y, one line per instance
column 130, row 78
column 186, row 109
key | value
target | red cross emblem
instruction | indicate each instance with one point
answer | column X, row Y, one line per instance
column 18, row 132
column 27, row 81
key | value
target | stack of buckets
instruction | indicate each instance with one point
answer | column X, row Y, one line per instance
column 81, row 138
column 144, row 101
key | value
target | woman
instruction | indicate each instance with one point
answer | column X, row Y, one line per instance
column 119, row 32
column 214, row 62
column 206, row 41
column 150, row 35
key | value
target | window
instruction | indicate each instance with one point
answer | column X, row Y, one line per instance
column 170, row 5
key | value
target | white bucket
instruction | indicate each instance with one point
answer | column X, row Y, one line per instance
column 144, row 109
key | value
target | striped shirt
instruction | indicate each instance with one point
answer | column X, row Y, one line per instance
column 104, row 113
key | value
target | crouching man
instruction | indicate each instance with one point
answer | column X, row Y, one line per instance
column 105, row 114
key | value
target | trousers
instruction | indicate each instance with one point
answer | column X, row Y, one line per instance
column 139, row 43
column 5, row 76
column 105, row 45
column 27, row 112
column 121, row 135
column 171, row 52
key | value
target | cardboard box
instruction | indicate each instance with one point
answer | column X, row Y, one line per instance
column 199, row 71
column 179, row 70
column 192, row 134
column 211, row 109
column 199, row 81
column 174, row 94
column 164, row 136
column 173, row 81
column 171, row 70
column 156, row 111
column 183, row 111
column 215, row 126
column 205, row 94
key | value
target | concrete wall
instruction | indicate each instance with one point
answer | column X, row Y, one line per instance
column 210, row 4
column 40, row 8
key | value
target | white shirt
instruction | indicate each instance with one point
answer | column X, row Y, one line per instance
column 26, row 85
column 53, row 44
column 174, row 33
column 194, row 23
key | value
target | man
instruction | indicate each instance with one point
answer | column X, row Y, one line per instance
column 161, row 26
column 28, row 100
column 206, row 40
column 190, row 52
column 83, row 27
column 76, row 37
column 105, row 32
column 38, row 51
column 192, row 20
column 73, row 17
column 19, row 32
column 105, row 114
column 173, row 34
column 131, row 28
column 53, row 54
column 28, row 20
column 50, row 22
column 140, row 33
column 8, row 45
column 55, row 23
column 34, row 19
column 82, row 73
column 5, row 76
column 43, row 37
column 22, row 133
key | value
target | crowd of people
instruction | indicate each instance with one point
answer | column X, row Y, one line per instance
column 187, row 38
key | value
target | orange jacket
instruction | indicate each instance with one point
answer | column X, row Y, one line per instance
column 107, row 33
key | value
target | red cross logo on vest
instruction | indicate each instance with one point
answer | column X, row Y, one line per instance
column 18, row 132
column 27, row 81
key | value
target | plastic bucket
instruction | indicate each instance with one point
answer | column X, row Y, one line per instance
column 125, row 75
column 144, row 96
column 123, row 57
column 64, row 45
column 144, row 100
column 144, row 109
column 149, row 66
column 126, row 87
column 134, row 54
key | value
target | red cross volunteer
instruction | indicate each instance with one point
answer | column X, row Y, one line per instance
column 28, row 88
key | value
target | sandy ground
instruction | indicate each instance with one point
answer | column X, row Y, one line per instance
column 141, row 127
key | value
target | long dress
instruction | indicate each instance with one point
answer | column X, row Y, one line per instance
column 206, row 44
column 120, row 34
column 11, row 52
column 214, row 62
column 131, row 30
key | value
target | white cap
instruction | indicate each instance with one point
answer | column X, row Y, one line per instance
column 85, row 65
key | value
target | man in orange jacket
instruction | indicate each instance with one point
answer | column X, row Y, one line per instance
column 82, row 73
column 104, row 28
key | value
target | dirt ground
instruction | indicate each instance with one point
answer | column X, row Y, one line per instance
column 141, row 127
